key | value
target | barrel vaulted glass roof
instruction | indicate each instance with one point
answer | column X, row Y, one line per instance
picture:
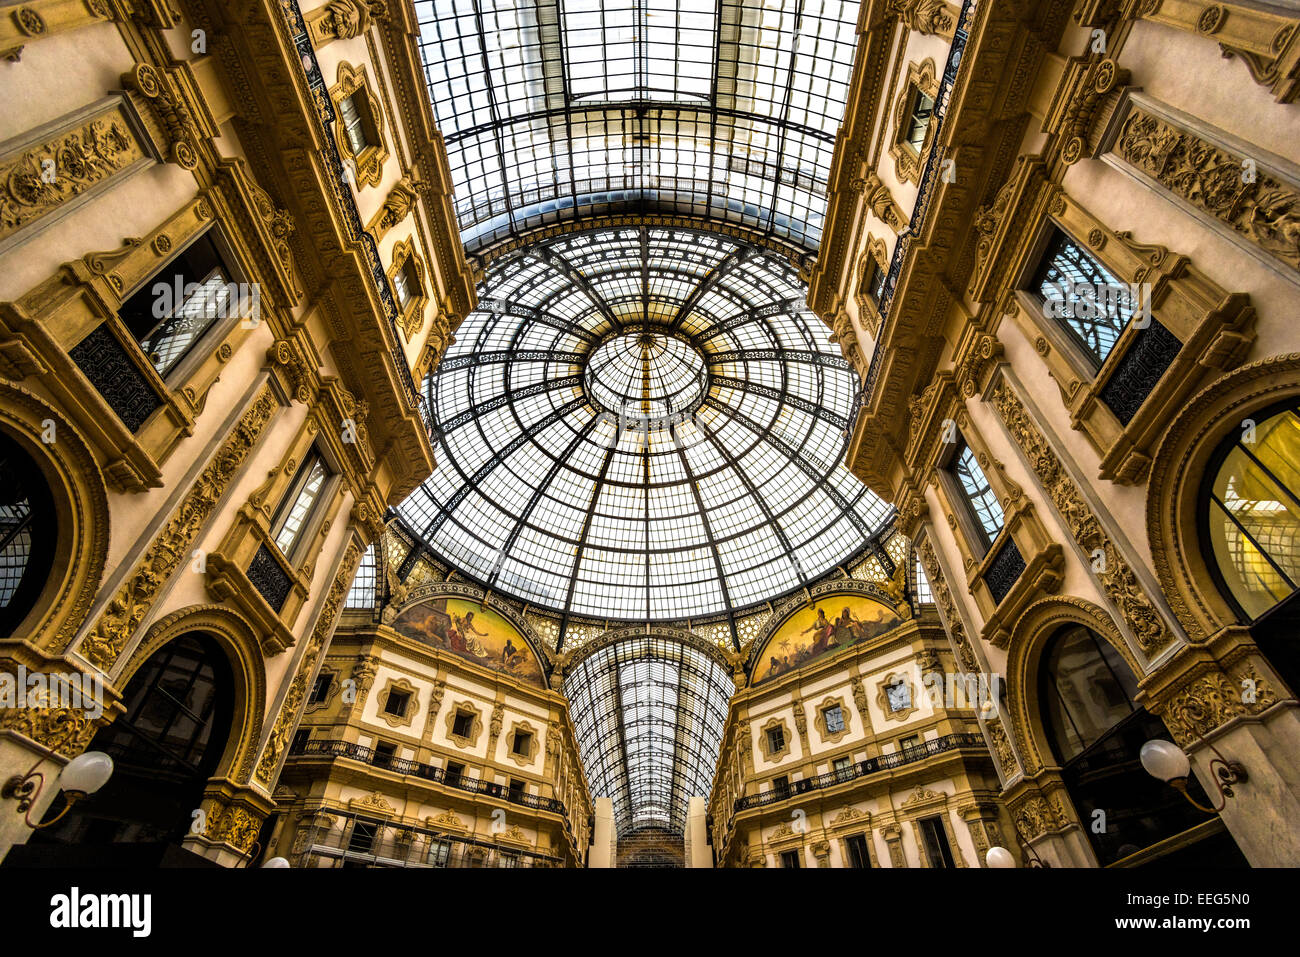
column 557, row 109
column 648, row 712
column 639, row 424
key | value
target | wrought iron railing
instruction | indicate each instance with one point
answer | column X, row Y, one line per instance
column 343, row 195
column 861, row 769
column 355, row 840
column 924, row 194
column 349, row 749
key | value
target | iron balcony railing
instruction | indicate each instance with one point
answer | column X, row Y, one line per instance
column 861, row 769
column 368, row 842
column 348, row 749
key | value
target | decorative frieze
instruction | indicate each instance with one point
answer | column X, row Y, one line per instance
column 39, row 178
column 104, row 643
column 344, row 19
column 1262, row 208
column 1113, row 572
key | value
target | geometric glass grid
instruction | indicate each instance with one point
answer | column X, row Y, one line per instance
column 1086, row 298
column 736, row 496
column 557, row 111
column 648, row 713
column 983, row 503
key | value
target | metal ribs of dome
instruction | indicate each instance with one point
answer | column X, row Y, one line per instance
column 557, row 111
column 736, row 497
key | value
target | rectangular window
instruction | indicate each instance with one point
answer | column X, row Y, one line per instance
column 362, row 839
column 981, row 503
column 517, row 790
column 179, row 304
column 439, row 853
column 834, row 716
column 1082, row 296
column 509, row 860
column 397, row 702
column 354, row 113
column 523, row 744
column 874, row 282
column 790, row 859
column 909, row 743
column 296, row 508
column 320, row 690
column 300, row 739
column 453, row 773
column 461, row 724
column 781, row 785
column 919, row 112
column 406, row 285
column 935, row 838
column 383, row 754
column 843, row 768
column 776, row 740
column 858, row 856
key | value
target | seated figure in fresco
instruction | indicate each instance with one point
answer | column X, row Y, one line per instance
column 468, row 633
column 823, row 630
column 847, row 629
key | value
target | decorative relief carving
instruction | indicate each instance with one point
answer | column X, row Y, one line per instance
column 344, row 19
column 401, row 200
column 41, row 178
column 65, row 730
column 1210, row 700
column 1116, row 577
column 1038, row 815
column 924, row 16
column 1208, row 177
column 235, row 825
column 119, row 621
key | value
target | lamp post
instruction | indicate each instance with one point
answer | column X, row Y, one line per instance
column 82, row 776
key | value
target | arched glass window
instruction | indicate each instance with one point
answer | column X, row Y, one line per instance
column 1251, row 511
column 27, row 534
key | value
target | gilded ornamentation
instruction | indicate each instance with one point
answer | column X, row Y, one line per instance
column 39, row 179
column 287, row 719
column 1002, row 749
column 345, row 19
column 119, row 621
column 1211, row 700
column 924, row 16
column 1266, row 210
column 401, row 200
column 1116, row 577
column 232, row 824
column 1038, row 815
column 65, row 730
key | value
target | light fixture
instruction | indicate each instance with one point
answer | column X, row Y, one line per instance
column 276, row 862
column 1169, row 763
column 999, row 857
column 83, row 775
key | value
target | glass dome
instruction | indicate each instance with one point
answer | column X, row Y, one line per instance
column 642, row 423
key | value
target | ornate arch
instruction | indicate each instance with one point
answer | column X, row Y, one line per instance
column 238, row 639
column 1177, row 472
column 1029, row 639
column 877, row 254
column 80, row 499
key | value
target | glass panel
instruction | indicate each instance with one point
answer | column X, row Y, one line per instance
column 1089, row 690
column 1254, row 515
column 308, row 489
column 983, row 503
column 727, row 110
column 918, row 119
column 643, row 423
column 1083, row 296
column 353, row 124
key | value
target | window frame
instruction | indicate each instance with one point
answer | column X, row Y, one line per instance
column 310, row 524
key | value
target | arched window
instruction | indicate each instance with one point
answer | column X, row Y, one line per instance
column 1250, row 511
column 28, row 533
column 1097, row 729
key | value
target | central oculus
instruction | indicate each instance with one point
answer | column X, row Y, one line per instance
column 646, row 374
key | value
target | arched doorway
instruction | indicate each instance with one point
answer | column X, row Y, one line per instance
column 28, row 534
column 1096, row 731
column 165, row 747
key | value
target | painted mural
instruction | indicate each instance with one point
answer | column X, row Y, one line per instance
column 476, row 633
column 832, row 623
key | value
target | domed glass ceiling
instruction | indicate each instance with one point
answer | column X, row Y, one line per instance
column 642, row 424
column 554, row 110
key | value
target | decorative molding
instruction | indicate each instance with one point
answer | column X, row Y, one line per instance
column 104, row 643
